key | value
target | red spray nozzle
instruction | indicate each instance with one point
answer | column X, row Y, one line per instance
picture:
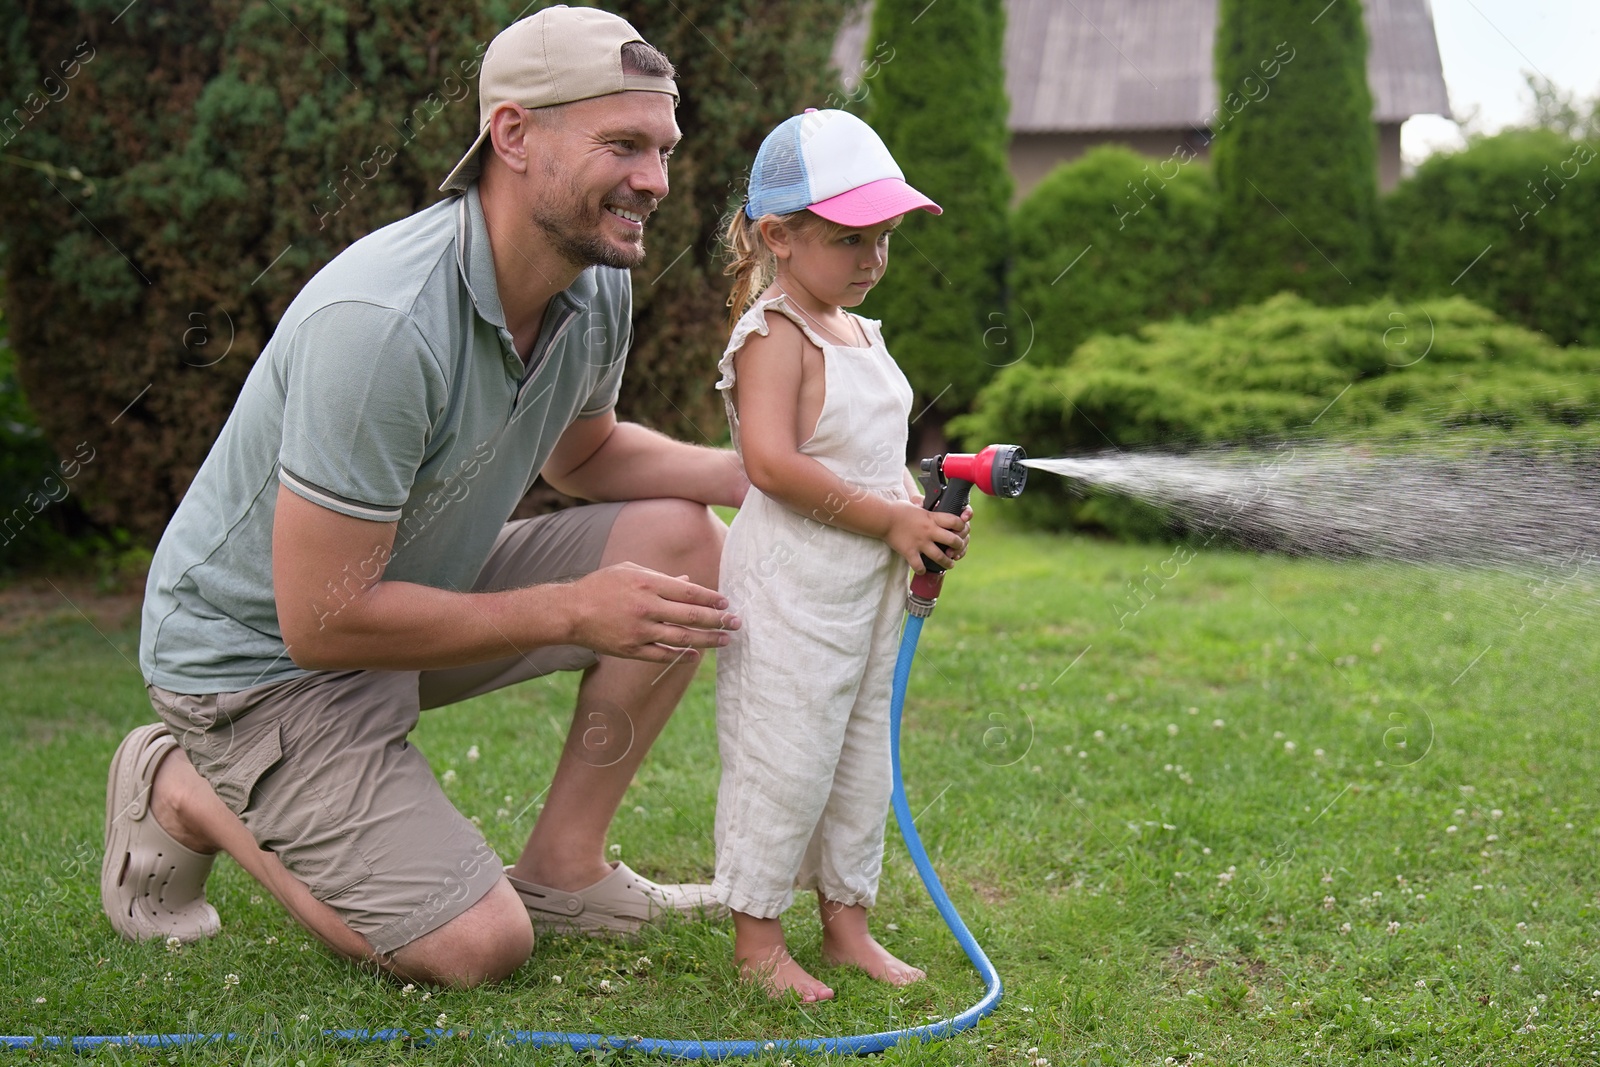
column 948, row 481
column 996, row 469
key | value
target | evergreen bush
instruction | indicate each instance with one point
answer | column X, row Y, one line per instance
column 1296, row 151
column 1107, row 244
column 1285, row 370
column 939, row 103
column 175, row 172
column 1511, row 221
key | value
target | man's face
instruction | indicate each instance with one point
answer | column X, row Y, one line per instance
column 597, row 170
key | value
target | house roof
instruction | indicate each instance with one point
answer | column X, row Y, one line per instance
column 1084, row 65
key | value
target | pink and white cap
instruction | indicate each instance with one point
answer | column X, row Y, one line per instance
column 834, row 164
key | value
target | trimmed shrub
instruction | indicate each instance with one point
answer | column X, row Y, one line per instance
column 1107, row 244
column 1296, row 151
column 939, row 103
column 1287, row 370
column 225, row 151
column 1511, row 221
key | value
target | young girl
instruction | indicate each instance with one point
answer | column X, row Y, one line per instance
column 815, row 561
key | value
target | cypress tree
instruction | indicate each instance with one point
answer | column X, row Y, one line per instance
column 1296, row 150
column 175, row 172
column 938, row 101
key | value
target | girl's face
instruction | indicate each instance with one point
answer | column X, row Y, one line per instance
column 837, row 268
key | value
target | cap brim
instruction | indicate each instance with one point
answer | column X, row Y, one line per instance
column 467, row 169
column 875, row 202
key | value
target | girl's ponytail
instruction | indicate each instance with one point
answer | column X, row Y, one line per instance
column 750, row 262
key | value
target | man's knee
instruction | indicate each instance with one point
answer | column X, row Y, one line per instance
column 674, row 536
column 486, row 943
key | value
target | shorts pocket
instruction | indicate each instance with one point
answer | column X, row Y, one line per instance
column 235, row 783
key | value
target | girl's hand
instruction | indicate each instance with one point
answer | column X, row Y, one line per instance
column 914, row 532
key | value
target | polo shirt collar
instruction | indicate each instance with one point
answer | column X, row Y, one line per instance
column 475, row 258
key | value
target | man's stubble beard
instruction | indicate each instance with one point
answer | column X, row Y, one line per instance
column 574, row 234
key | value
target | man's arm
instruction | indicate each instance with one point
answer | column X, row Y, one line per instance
column 337, row 613
column 599, row 458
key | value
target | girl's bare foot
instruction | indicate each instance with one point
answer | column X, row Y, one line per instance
column 846, row 941
column 762, row 955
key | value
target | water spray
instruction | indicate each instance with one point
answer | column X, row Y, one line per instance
column 997, row 470
column 948, row 481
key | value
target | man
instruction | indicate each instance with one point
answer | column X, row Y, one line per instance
column 343, row 560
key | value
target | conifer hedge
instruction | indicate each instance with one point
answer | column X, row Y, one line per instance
column 1109, row 243
column 1512, row 221
column 174, row 172
column 1382, row 372
column 938, row 101
column 1296, row 151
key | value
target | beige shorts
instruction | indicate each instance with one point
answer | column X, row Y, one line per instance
column 319, row 769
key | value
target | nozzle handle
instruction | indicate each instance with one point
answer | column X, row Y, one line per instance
column 950, row 497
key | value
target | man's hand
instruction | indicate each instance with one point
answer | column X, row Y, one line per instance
column 632, row 611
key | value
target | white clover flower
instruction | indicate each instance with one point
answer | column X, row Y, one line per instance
column 303, row 1017
column 439, row 1022
column 1344, row 928
column 502, row 813
column 230, row 979
column 1217, row 724
column 174, row 945
column 407, row 989
column 1394, row 928
column 1099, row 735
column 1317, row 752
column 605, row 985
column 1496, row 813
column 643, row 963
column 1172, row 729
column 39, row 1000
column 1288, row 746
column 616, row 850
column 1421, row 983
column 472, row 753
column 1328, row 903
column 448, row 776
column 555, row 979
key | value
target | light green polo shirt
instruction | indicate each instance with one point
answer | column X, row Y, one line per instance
column 390, row 391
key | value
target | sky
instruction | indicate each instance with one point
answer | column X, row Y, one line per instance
column 1487, row 45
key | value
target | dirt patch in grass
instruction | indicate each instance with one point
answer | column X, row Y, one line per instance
column 27, row 603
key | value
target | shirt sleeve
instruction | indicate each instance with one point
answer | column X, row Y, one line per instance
column 362, row 395
column 609, row 339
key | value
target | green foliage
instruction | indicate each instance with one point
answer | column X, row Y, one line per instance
column 1284, row 370
column 1512, row 221
column 225, row 151
column 36, row 511
column 1296, row 151
column 1106, row 244
column 939, row 103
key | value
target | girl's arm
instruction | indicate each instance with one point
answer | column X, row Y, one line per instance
column 769, row 371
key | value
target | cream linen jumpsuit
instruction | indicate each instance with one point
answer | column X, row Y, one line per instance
column 803, row 687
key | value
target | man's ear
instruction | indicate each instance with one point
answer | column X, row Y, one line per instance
column 776, row 235
column 509, row 129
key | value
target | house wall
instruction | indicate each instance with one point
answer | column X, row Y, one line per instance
column 1033, row 155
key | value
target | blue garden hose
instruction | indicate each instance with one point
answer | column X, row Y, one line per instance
column 853, row 1045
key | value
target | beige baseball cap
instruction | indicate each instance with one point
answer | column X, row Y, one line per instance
column 554, row 56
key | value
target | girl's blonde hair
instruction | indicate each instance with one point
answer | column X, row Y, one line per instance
column 751, row 263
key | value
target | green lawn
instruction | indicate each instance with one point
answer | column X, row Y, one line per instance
column 1286, row 811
